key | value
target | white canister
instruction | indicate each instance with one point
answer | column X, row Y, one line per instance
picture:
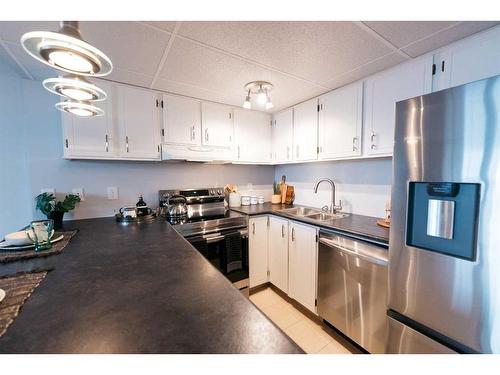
column 261, row 200
column 254, row 199
column 234, row 199
column 245, row 200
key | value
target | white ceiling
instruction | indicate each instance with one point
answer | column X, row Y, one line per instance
column 214, row 60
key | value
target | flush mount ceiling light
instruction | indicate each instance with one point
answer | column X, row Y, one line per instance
column 82, row 109
column 261, row 89
column 65, row 50
column 74, row 88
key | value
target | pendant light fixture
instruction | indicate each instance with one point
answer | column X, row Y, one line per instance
column 82, row 109
column 74, row 88
column 261, row 89
column 66, row 50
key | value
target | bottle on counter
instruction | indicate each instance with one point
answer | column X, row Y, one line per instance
column 142, row 207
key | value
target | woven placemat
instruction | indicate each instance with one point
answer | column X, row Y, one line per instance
column 17, row 290
column 11, row 256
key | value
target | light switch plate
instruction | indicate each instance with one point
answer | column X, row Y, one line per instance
column 112, row 192
column 79, row 192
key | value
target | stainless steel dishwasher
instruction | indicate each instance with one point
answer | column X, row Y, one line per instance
column 352, row 289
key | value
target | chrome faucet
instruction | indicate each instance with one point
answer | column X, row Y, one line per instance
column 333, row 208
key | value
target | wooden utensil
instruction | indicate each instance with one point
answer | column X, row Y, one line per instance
column 290, row 194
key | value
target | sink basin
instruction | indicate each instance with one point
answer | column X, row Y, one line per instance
column 301, row 211
column 323, row 216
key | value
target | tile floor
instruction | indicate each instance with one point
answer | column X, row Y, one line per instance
column 312, row 337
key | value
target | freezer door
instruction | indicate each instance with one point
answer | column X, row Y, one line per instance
column 445, row 275
column 405, row 340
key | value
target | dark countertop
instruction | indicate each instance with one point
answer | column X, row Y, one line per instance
column 135, row 289
column 364, row 227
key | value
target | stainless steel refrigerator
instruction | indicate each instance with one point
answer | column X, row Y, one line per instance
column 444, row 248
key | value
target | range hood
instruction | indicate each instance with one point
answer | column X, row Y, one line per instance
column 197, row 153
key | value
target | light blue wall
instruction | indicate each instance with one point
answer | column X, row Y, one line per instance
column 15, row 209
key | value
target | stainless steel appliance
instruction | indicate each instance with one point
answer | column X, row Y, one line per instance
column 444, row 286
column 352, row 289
column 220, row 235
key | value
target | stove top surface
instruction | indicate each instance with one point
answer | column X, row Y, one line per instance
column 196, row 225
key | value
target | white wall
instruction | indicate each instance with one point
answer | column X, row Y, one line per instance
column 363, row 185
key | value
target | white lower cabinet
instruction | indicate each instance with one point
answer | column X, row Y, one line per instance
column 278, row 252
column 303, row 264
column 257, row 251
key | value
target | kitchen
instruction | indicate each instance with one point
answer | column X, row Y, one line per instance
column 197, row 134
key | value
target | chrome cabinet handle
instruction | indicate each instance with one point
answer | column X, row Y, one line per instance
column 293, row 234
column 126, row 143
column 297, row 151
column 354, row 143
column 373, row 146
column 107, row 143
column 287, row 152
column 253, row 228
column 282, row 231
column 238, row 151
column 206, row 135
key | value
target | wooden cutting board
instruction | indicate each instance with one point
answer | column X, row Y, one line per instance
column 384, row 223
column 290, row 194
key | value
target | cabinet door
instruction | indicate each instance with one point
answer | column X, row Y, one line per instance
column 181, row 120
column 278, row 252
column 252, row 136
column 303, row 265
column 90, row 137
column 139, row 123
column 305, row 131
column 217, row 125
column 382, row 91
column 474, row 58
column 282, row 136
column 340, row 120
column 257, row 251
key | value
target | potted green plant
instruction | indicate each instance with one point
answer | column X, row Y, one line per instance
column 276, row 198
column 47, row 204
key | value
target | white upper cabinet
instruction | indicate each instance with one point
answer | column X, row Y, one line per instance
column 278, row 252
column 252, row 136
column 138, row 123
column 90, row 137
column 468, row 60
column 340, row 122
column 181, row 120
column 382, row 91
column 217, row 125
column 303, row 264
column 305, row 131
column 282, row 136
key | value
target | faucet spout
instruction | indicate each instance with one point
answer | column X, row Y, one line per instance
column 333, row 207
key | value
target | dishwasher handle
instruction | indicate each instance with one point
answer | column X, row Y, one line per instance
column 361, row 255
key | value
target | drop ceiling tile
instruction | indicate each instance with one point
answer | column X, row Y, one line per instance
column 461, row 30
column 131, row 78
column 11, row 31
column 194, row 65
column 130, row 45
column 402, row 33
column 364, row 71
column 164, row 25
column 311, row 50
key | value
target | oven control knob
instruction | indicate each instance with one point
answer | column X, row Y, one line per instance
column 219, row 191
column 211, row 192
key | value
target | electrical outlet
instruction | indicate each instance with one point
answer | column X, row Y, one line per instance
column 48, row 191
column 79, row 192
column 112, row 192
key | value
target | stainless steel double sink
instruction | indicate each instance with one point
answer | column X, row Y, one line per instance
column 313, row 214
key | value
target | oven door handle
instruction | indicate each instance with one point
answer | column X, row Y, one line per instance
column 211, row 238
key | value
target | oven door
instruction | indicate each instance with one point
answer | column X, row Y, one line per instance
column 227, row 250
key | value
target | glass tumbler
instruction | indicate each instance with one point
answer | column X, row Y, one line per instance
column 41, row 230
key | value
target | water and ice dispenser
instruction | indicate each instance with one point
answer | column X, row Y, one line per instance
column 443, row 217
